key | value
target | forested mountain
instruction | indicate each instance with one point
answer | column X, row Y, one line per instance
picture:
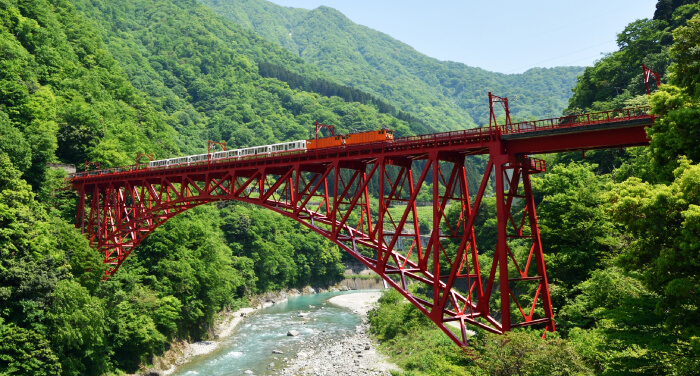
column 202, row 71
column 445, row 95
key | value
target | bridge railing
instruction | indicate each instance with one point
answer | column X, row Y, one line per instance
column 475, row 133
column 110, row 170
column 577, row 120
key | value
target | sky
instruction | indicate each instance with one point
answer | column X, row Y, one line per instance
column 508, row 36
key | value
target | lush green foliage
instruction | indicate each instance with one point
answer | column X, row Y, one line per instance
column 26, row 352
column 620, row 236
column 65, row 94
column 65, row 97
column 283, row 253
column 617, row 77
column 571, row 214
column 410, row 337
column 420, row 349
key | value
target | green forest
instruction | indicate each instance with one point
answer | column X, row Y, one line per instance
column 99, row 80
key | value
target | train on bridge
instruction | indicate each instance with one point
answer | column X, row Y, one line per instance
column 117, row 209
column 382, row 135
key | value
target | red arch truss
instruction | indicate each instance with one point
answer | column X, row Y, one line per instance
column 456, row 283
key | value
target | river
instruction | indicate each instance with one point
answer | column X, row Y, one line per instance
column 250, row 347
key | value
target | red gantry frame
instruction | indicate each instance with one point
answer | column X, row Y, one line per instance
column 648, row 74
column 457, row 284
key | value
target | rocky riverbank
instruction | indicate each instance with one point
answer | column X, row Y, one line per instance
column 182, row 351
column 352, row 355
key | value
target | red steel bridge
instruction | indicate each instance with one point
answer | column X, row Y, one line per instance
column 345, row 194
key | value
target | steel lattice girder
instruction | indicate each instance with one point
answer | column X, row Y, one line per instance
column 328, row 191
column 332, row 199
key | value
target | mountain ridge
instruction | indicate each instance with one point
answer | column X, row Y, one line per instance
column 436, row 91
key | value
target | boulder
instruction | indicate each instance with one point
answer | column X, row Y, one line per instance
column 293, row 333
column 308, row 290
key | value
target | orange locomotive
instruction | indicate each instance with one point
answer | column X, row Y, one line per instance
column 326, row 142
column 350, row 139
column 369, row 137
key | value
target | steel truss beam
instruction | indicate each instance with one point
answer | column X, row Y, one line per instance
column 440, row 273
column 444, row 273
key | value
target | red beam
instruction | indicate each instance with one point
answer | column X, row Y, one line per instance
column 594, row 139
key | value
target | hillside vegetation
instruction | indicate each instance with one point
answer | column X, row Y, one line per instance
column 101, row 81
column 620, row 232
column 444, row 95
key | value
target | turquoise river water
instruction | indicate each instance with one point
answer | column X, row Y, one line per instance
column 250, row 346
